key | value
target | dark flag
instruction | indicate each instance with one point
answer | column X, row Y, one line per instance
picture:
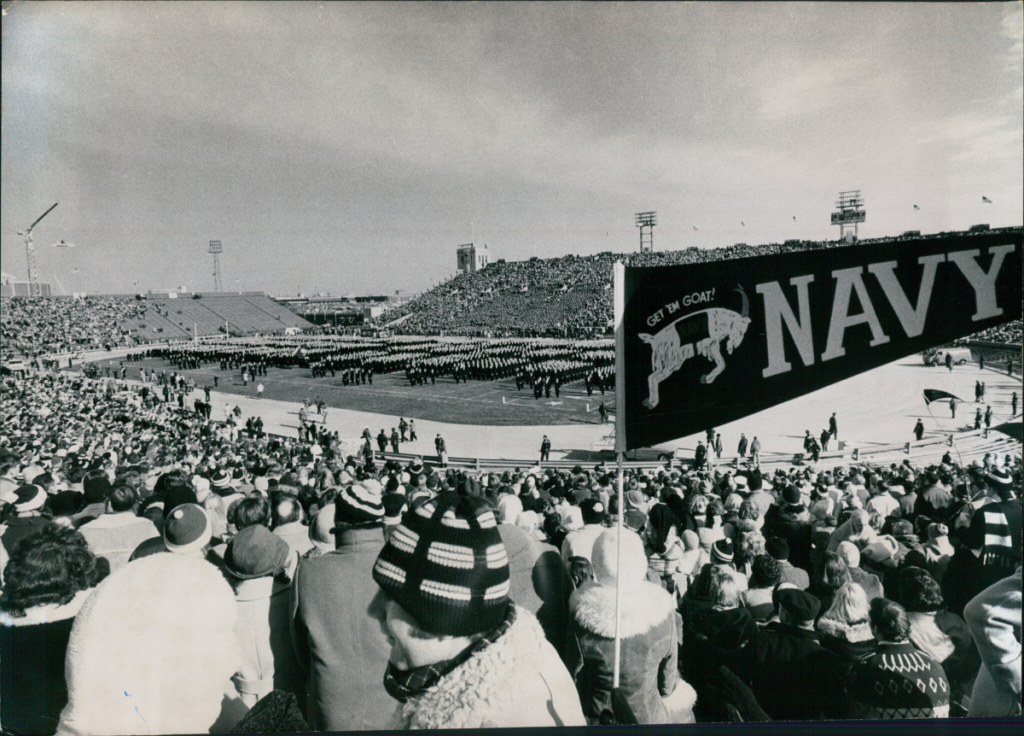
column 933, row 394
column 1011, row 429
column 704, row 344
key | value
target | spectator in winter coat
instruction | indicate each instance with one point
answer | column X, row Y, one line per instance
column 778, row 548
column 338, row 643
column 540, row 583
column 869, row 582
column 722, row 634
column 470, row 660
column 795, row 679
column 46, row 582
column 994, row 617
column 648, row 629
column 763, row 581
column 942, row 635
column 895, row 682
column 180, row 681
column 117, row 533
column 790, row 521
column 830, row 574
column 258, row 566
column 844, row 627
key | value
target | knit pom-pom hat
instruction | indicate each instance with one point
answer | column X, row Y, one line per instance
column 445, row 564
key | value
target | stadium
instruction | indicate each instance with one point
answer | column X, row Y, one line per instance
column 572, row 484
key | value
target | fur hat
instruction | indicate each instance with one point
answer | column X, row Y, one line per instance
column 604, row 559
column 446, row 565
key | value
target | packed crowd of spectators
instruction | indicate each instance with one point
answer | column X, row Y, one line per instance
column 158, row 565
column 40, row 326
column 1012, row 333
column 569, row 296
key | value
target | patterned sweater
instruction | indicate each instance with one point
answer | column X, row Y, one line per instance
column 898, row 681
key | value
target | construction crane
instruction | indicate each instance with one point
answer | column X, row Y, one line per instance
column 30, row 253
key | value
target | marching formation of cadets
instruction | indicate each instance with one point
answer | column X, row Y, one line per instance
column 543, row 366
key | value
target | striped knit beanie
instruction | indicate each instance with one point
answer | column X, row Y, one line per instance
column 357, row 505
column 445, row 564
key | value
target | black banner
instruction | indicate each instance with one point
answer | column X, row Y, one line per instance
column 707, row 343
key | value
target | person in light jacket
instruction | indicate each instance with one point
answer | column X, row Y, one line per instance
column 994, row 617
column 258, row 563
column 649, row 633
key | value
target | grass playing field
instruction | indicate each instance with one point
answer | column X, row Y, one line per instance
column 476, row 402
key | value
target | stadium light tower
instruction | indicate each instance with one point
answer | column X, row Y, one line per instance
column 30, row 254
column 646, row 222
column 849, row 212
column 216, row 250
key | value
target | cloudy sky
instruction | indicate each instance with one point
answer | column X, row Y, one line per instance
column 351, row 147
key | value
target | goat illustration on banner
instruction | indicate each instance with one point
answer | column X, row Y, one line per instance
column 668, row 353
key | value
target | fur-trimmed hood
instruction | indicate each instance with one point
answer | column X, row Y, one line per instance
column 855, row 634
column 643, row 608
column 518, row 681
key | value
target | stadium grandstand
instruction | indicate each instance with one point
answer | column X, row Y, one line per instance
column 54, row 325
column 568, row 296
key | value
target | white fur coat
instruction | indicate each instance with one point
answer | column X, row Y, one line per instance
column 518, row 681
column 153, row 650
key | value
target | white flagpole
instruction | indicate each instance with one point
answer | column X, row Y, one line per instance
column 619, row 281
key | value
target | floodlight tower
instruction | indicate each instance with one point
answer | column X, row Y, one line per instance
column 849, row 212
column 216, row 250
column 646, row 222
column 30, row 253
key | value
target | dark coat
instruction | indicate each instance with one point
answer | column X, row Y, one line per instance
column 340, row 645
column 795, row 679
column 540, row 583
column 796, row 529
column 850, row 643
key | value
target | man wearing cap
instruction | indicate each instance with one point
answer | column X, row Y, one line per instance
column 462, row 654
column 778, row 549
column 341, row 648
column 795, row 678
column 258, row 564
column 187, row 530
